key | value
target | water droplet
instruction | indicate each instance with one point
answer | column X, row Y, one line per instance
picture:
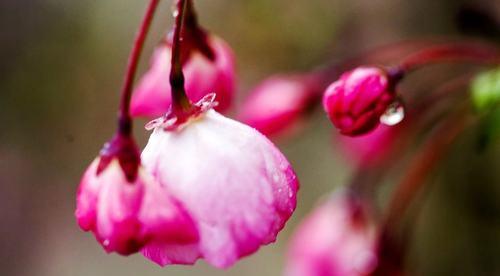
column 276, row 177
column 175, row 11
column 105, row 243
column 290, row 193
column 394, row 114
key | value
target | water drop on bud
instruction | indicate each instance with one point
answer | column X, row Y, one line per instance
column 175, row 11
column 394, row 114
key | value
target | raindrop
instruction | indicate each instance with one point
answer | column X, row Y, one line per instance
column 105, row 243
column 394, row 114
column 276, row 177
column 175, row 11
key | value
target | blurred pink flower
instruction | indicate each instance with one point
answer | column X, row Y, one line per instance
column 335, row 240
column 358, row 99
column 371, row 148
column 125, row 215
column 278, row 103
column 203, row 76
column 234, row 182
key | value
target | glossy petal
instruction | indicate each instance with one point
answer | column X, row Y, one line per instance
column 332, row 242
column 234, row 182
column 152, row 95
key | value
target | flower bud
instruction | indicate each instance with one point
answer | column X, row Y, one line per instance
column 335, row 240
column 278, row 104
column 202, row 76
column 356, row 101
column 234, row 182
column 125, row 210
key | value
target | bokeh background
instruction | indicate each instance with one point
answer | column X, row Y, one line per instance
column 61, row 67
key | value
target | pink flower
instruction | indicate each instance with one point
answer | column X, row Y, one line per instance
column 371, row 148
column 203, row 76
column 125, row 214
column 358, row 99
column 335, row 240
column 236, row 185
column 278, row 104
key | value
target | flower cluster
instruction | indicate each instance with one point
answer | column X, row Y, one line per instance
column 205, row 186
column 209, row 187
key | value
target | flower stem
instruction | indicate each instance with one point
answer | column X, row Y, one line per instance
column 457, row 52
column 424, row 162
column 180, row 101
column 390, row 249
column 124, row 119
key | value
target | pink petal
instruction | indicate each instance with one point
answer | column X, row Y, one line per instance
column 329, row 242
column 118, row 203
column 125, row 216
column 152, row 95
column 276, row 104
column 86, row 199
column 236, row 185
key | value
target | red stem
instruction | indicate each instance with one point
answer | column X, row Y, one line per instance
column 180, row 101
column 124, row 119
column 469, row 52
column 423, row 163
column 391, row 250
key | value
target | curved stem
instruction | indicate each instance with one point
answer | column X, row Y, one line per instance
column 124, row 119
column 468, row 52
column 390, row 249
column 423, row 163
column 180, row 101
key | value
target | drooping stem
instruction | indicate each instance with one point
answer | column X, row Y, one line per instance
column 124, row 119
column 390, row 248
column 180, row 101
column 423, row 163
column 458, row 52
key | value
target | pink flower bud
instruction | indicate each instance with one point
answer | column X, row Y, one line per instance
column 335, row 240
column 125, row 215
column 234, row 182
column 278, row 103
column 358, row 99
column 203, row 76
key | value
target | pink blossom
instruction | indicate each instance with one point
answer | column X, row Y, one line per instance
column 277, row 104
column 203, row 76
column 335, row 240
column 126, row 215
column 371, row 148
column 358, row 99
column 234, row 182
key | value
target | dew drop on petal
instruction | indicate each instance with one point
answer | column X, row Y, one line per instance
column 276, row 177
column 105, row 243
column 394, row 114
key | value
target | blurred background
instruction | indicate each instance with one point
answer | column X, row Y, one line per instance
column 61, row 67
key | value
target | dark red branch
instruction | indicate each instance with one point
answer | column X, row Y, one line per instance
column 457, row 52
column 180, row 101
column 125, row 120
